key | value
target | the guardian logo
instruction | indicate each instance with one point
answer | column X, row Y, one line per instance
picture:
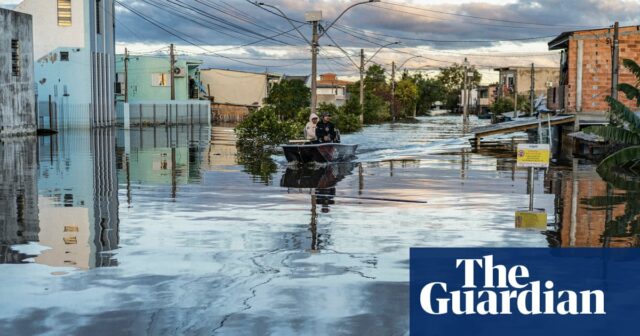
column 506, row 291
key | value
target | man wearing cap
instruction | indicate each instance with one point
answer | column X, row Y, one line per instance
column 325, row 130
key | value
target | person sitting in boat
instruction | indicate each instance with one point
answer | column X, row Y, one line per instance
column 310, row 129
column 325, row 130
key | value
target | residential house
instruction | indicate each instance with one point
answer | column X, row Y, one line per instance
column 17, row 98
column 518, row 79
column 332, row 90
column 585, row 70
column 234, row 93
column 74, row 52
column 149, row 78
column 480, row 98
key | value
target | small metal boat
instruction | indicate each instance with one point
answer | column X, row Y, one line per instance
column 319, row 153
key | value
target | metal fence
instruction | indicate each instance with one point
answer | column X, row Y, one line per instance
column 164, row 113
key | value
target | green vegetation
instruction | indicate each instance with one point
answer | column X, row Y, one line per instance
column 288, row 97
column 502, row 105
column 265, row 127
column 625, row 128
column 286, row 112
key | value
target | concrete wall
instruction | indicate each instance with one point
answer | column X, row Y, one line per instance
column 81, row 88
column 17, row 97
column 235, row 87
column 596, row 69
column 522, row 78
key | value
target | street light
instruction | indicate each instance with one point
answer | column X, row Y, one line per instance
column 363, row 63
column 314, row 17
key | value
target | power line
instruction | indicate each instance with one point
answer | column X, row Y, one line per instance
column 176, row 34
column 483, row 18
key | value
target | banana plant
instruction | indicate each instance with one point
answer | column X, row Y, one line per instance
column 627, row 129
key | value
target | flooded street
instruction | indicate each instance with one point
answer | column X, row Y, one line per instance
column 162, row 231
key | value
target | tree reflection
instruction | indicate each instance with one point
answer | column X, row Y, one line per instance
column 625, row 226
column 258, row 164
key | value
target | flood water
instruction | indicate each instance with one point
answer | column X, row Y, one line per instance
column 162, row 231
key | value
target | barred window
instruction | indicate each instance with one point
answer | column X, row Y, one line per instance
column 64, row 12
column 15, row 58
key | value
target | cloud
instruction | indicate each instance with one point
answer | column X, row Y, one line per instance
column 219, row 25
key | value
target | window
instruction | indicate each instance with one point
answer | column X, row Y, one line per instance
column 64, row 56
column 15, row 58
column 64, row 13
column 98, row 18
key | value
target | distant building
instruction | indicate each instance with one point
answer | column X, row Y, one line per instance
column 74, row 49
column 480, row 98
column 585, row 70
column 17, row 97
column 234, row 93
column 149, row 78
column 332, row 90
column 518, row 79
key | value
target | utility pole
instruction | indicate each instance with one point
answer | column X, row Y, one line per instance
column 465, row 102
column 532, row 93
column 314, row 67
column 126, row 75
column 172, row 60
column 615, row 58
column 393, row 90
column 361, row 86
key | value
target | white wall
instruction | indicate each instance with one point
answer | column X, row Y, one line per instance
column 47, row 35
column 234, row 87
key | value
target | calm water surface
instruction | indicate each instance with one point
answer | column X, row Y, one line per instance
column 162, row 231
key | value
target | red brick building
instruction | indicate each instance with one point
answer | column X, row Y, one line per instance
column 585, row 70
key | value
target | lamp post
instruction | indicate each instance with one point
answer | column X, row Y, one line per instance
column 314, row 17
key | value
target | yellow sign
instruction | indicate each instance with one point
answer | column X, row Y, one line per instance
column 536, row 156
column 536, row 219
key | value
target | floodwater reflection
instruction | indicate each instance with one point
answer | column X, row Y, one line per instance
column 205, row 240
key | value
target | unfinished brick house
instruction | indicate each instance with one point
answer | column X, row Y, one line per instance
column 585, row 70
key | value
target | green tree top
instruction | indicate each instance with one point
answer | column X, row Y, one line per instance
column 288, row 97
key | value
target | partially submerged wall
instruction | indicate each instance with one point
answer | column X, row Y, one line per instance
column 17, row 97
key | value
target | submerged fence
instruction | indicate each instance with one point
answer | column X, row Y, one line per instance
column 187, row 112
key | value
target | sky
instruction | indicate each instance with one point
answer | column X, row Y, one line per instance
column 238, row 34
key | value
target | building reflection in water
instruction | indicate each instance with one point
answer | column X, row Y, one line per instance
column 165, row 155
column 62, row 192
column 78, row 200
column 322, row 182
column 18, row 196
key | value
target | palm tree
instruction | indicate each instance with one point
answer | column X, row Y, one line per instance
column 626, row 129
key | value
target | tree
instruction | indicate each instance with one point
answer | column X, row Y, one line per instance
column 376, row 96
column 502, row 105
column 626, row 127
column 452, row 79
column 288, row 97
column 263, row 128
column 430, row 90
column 407, row 96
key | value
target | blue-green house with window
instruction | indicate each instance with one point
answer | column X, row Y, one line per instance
column 149, row 78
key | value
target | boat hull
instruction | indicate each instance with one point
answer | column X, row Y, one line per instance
column 319, row 153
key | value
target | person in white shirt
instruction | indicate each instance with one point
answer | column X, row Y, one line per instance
column 310, row 128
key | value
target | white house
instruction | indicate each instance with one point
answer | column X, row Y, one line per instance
column 74, row 51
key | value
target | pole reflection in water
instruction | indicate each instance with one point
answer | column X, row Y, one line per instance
column 322, row 181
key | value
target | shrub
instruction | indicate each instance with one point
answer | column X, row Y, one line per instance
column 264, row 128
